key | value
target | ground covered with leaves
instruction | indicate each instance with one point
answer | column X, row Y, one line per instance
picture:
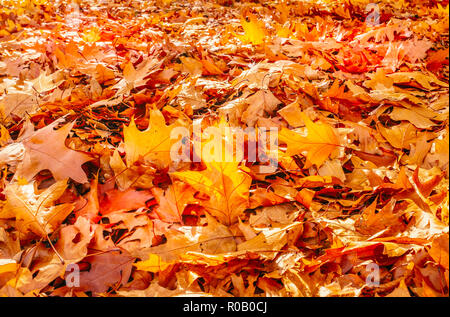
column 93, row 204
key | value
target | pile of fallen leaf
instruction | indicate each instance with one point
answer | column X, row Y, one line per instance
column 91, row 90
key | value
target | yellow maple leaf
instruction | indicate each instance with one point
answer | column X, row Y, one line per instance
column 153, row 144
column 254, row 31
column 320, row 142
column 223, row 180
column 91, row 35
column 226, row 185
column 154, row 264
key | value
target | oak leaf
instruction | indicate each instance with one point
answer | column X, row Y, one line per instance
column 106, row 270
column 46, row 149
column 18, row 103
column 91, row 206
column 74, row 240
column 35, row 212
column 425, row 188
column 116, row 200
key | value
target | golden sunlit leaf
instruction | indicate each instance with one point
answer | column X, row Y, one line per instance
column 320, row 142
column 254, row 31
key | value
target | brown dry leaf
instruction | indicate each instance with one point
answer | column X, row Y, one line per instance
column 18, row 104
column 91, row 206
column 9, row 244
column 259, row 103
column 108, row 269
column 74, row 240
column 426, row 187
column 400, row 291
column 131, row 177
